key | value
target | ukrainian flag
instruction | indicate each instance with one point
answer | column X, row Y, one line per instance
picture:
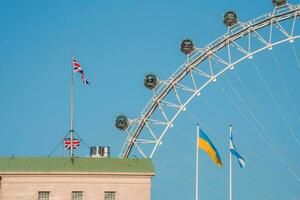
column 206, row 145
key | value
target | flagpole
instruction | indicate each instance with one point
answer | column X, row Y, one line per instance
column 230, row 166
column 72, row 111
column 197, row 163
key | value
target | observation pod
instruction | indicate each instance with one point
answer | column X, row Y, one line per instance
column 150, row 81
column 230, row 18
column 122, row 122
column 278, row 3
column 187, row 46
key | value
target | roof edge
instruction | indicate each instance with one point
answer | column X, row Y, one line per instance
column 78, row 173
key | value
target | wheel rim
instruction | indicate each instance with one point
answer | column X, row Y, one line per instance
column 229, row 41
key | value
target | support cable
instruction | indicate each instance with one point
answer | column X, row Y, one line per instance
column 285, row 87
column 172, row 191
column 281, row 148
column 248, row 93
column 171, row 149
column 291, row 131
column 296, row 55
column 215, row 173
column 82, row 140
column 215, row 111
column 284, row 161
column 258, row 132
column 272, row 181
column 172, row 174
column 247, row 107
column 259, row 170
column 181, row 132
column 56, row 147
column 196, row 119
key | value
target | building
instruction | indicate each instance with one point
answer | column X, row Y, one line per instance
column 75, row 179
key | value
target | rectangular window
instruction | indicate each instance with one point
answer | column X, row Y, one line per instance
column 44, row 195
column 108, row 195
column 77, row 195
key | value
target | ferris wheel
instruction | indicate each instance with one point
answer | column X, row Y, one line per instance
column 203, row 67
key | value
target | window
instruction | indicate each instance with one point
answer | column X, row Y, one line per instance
column 44, row 195
column 77, row 195
column 109, row 195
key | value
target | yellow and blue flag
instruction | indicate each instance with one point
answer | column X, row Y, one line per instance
column 206, row 145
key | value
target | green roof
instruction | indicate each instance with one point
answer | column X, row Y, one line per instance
column 51, row 164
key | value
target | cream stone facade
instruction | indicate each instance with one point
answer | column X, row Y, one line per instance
column 26, row 185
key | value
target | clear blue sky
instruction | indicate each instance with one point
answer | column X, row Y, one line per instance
column 118, row 42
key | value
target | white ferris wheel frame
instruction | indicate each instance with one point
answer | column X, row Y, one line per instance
column 190, row 68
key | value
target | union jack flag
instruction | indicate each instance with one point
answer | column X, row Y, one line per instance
column 76, row 65
column 67, row 143
column 78, row 69
column 83, row 77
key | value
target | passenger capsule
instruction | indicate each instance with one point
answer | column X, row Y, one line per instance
column 150, row 81
column 278, row 3
column 230, row 19
column 122, row 122
column 187, row 46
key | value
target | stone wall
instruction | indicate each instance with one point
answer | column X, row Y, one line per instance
column 25, row 186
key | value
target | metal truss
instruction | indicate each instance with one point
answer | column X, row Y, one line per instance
column 202, row 68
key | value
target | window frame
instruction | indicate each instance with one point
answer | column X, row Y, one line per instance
column 78, row 195
column 43, row 195
column 113, row 193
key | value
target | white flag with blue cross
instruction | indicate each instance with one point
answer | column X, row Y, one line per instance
column 235, row 153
